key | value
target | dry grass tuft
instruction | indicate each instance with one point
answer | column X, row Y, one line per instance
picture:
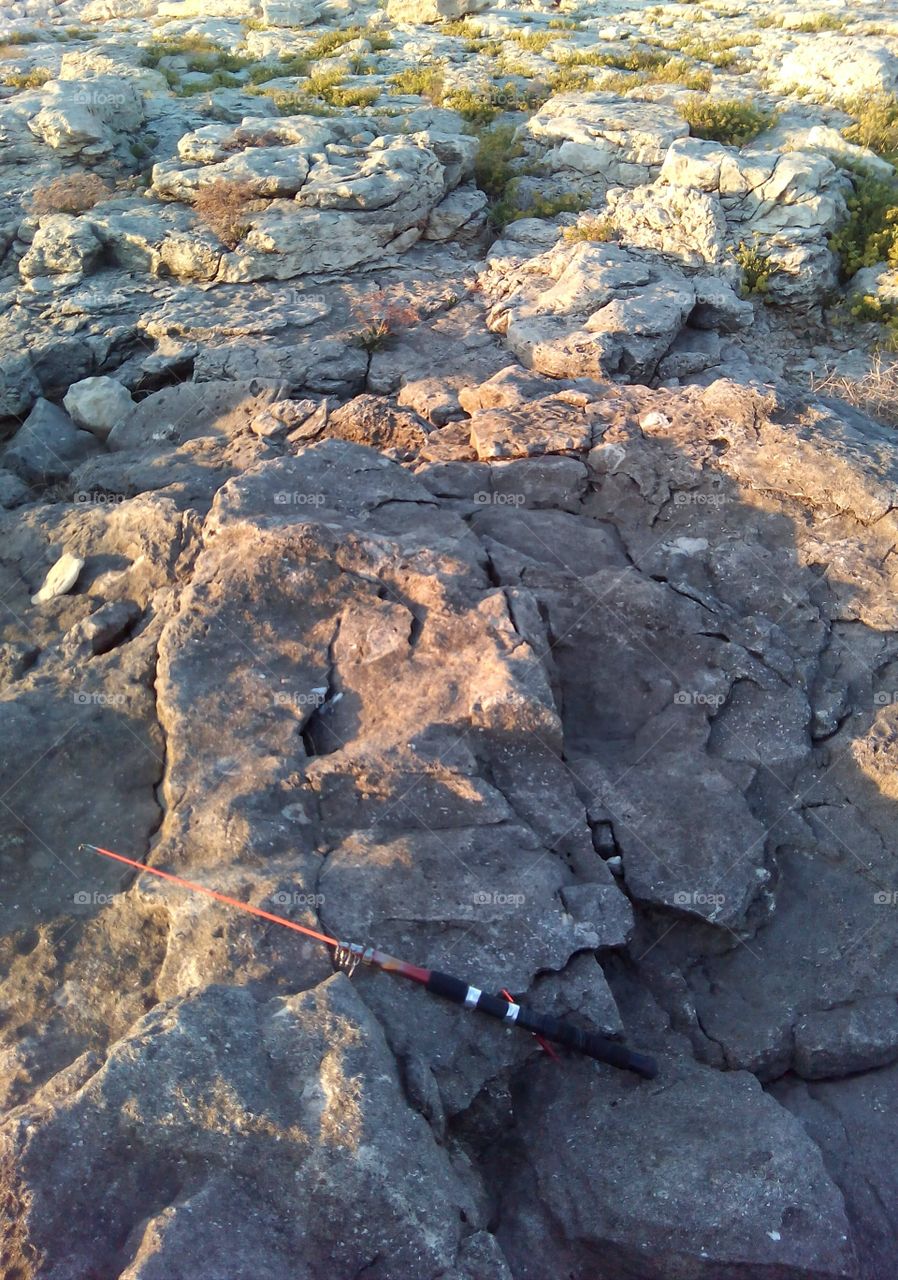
column 875, row 393
column 72, row 193
column 225, row 208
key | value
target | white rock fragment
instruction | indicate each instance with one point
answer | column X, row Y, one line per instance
column 61, row 578
column 98, row 404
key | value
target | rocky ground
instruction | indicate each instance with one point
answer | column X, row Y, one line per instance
column 420, row 516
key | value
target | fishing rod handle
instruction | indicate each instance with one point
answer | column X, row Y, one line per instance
column 543, row 1024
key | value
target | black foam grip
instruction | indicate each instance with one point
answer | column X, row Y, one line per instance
column 443, row 984
column 594, row 1046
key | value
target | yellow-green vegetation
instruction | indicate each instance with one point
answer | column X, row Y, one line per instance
column 328, row 44
column 494, row 166
column 262, row 72
column 719, row 53
column 822, row 22
column 871, row 233
column 460, row 27
column 353, row 96
column 757, row 270
column 570, row 80
column 876, row 124
column 551, row 206
column 199, row 52
column 594, row 230
column 537, row 41
column 674, row 71
column 867, row 309
column 479, row 106
column 23, row 37
column 631, row 60
column 495, row 171
column 728, row 120
column 36, row 78
column 425, row 82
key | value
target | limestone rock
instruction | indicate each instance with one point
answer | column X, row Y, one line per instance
column 413, row 11
column 63, row 245
column 47, row 446
column 619, row 140
column 98, row 405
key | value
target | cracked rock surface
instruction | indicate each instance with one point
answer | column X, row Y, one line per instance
column 423, row 533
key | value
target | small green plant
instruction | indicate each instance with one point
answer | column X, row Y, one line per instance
column 719, row 53
column 595, row 230
column 353, row 96
column 757, row 270
column 871, row 233
column 551, row 206
column 36, row 78
column 481, row 106
column 262, row 72
column 727, row 120
column 822, row 22
column 23, row 37
column 536, row 41
column 424, row 82
column 569, row 80
column 461, row 27
column 876, row 124
column 332, row 41
column 383, row 318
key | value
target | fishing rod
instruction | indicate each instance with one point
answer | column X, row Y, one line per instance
column 349, row 955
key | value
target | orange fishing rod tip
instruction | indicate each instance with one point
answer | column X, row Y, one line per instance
column 213, row 893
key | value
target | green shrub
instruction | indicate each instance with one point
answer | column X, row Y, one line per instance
column 720, row 53
column 494, row 166
column 757, row 270
column 871, row 233
column 262, row 72
column 460, row 27
column 358, row 96
column 36, row 78
column 481, row 106
column 536, row 41
column 425, row 82
column 876, row 124
column 823, row 22
column 595, row 230
column 569, row 80
column 726, row 120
